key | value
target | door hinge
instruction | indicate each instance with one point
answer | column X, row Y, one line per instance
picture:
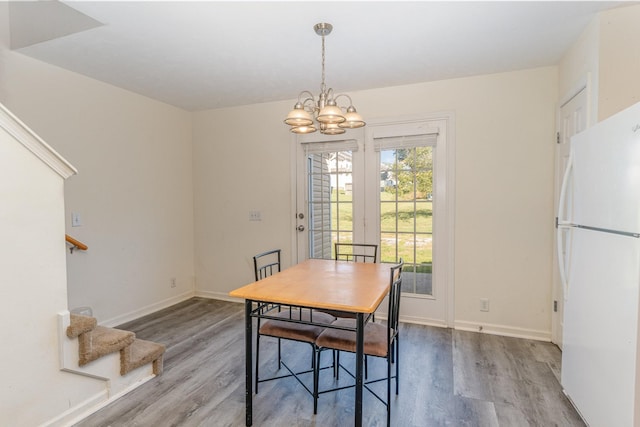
column 557, row 137
column 555, row 306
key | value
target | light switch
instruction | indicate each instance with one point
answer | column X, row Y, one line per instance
column 76, row 221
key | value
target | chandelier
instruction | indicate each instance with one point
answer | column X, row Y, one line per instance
column 323, row 112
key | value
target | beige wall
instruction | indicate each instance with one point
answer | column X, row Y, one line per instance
column 134, row 190
column 504, row 199
column 619, row 60
column 607, row 56
column 579, row 67
column 240, row 168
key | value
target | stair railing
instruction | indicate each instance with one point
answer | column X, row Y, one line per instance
column 75, row 244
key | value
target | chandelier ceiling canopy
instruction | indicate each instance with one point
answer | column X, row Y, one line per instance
column 311, row 113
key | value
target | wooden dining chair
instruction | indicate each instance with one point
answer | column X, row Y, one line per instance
column 265, row 265
column 379, row 341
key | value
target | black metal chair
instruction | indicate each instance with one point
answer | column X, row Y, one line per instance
column 354, row 252
column 265, row 265
column 358, row 252
column 379, row 341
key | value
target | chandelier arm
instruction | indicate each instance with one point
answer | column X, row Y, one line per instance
column 346, row 96
column 329, row 93
column 303, row 93
column 309, row 105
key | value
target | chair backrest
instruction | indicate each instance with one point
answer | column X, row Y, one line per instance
column 358, row 252
column 266, row 264
column 394, row 295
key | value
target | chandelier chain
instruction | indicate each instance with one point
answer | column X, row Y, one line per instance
column 322, row 87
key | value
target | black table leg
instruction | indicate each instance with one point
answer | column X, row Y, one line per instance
column 248, row 362
column 359, row 366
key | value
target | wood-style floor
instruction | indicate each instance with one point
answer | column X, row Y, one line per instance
column 447, row 378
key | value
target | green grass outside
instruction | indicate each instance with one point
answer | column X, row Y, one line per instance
column 403, row 222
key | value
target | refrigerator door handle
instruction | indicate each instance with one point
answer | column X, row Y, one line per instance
column 562, row 225
column 561, row 264
column 563, row 191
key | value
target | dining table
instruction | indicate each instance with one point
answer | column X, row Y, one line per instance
column 316, row 284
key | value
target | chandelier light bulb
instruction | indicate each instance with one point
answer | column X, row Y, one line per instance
column 330, row 114
column 331, row 129
column 299, row 116
column 303, row 129
column 353, row 120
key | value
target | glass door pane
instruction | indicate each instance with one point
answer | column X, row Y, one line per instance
column 406, row 214
column 330, row 180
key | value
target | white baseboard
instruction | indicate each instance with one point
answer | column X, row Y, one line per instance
column 423, row 321
column 507, row 331
column 80, row 411
column 91, row 405
column 151, row 308
column 218, row 295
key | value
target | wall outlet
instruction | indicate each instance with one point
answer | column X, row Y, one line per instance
column 484, row 304
column 173, row 282
column 255, row 216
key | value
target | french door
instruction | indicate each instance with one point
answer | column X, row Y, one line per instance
column 331, row 194
column 387, row 184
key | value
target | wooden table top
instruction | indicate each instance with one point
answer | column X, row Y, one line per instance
column 337, row 285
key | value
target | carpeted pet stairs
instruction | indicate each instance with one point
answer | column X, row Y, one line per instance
column 96, row 341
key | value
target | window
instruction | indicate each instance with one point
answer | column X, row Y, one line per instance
column 406, row 214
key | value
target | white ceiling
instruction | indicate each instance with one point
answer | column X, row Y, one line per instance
column 210, row 54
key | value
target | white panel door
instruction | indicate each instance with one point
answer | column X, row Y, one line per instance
column 573, row 119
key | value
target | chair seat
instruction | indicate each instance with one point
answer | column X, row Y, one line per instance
column 296, row 331
column 375, row 338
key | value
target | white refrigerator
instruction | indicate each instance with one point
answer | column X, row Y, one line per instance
column 599, row 260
